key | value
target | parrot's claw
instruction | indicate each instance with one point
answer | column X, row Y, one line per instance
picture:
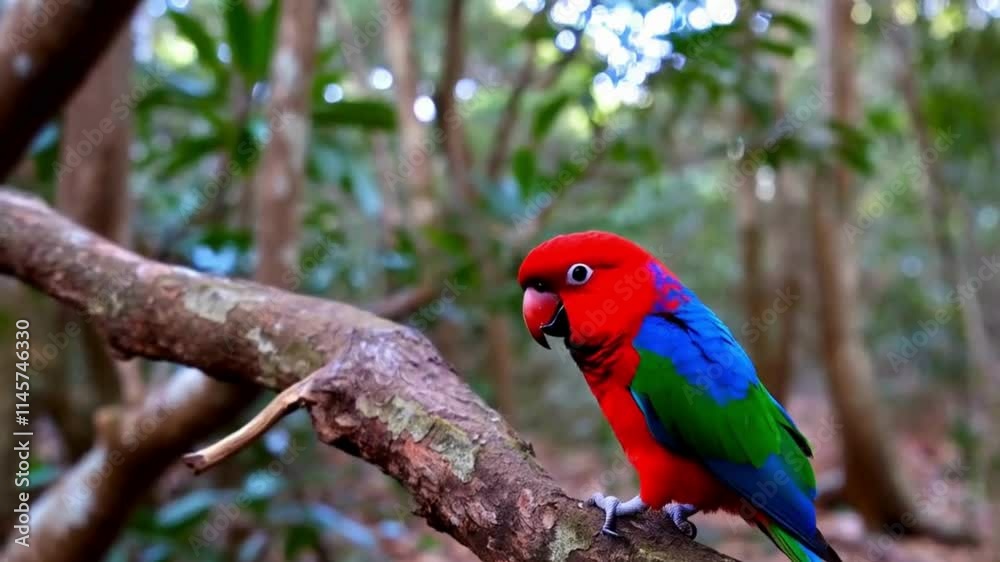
column 609, row 504
column 679, row 514
column 613, row 508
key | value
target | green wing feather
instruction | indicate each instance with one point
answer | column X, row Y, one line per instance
column 744, row 430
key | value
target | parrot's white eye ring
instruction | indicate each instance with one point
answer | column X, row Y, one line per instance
column 578, row 274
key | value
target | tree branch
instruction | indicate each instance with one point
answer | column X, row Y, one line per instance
column 384, row 394
column 501, row 145
column 289, row 400
column 47, row 49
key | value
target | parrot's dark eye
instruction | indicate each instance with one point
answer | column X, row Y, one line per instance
column 578, row 274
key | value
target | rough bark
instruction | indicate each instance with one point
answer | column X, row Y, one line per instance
column 281, row 178
column 47, row 49
column 385, row 394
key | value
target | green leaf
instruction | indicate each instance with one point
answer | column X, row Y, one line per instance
column 647, row 159
column 523, row 163
column 448, row 241
column 366, row 114
column 44, row 152
column 792, row 23
column 240, row 35
column 569, row 172
column 300, row 538
column 192, row 30
column 321, row 81
column 264, row 39
column 178, row 91
column 245, row 151
column 539, row 29
column 188, row 152
column 547, row 114
column 780, row 48
column 220, row 236
column 857, row 157
column 885, row 119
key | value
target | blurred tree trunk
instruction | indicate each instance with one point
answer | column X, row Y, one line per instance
column 872, row 482
column 947, row 211
column 280, row 182
column 92, row 189
column 787, row 222
column 791, row 210
column 983, row 389
column 46, row 51
column 753, row 253
column 499, row 351
column 415, row 156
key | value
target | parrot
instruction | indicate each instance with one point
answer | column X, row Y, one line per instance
column 679, row 392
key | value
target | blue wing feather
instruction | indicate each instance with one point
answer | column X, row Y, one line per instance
column 704, row 352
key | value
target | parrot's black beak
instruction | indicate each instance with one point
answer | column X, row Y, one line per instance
column 558, row 327
column 544, row 314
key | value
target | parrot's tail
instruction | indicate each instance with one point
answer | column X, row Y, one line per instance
column 794, row 549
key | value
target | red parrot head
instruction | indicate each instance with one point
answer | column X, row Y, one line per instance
column 591, row 288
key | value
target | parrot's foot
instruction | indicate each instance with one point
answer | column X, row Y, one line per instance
column 614, row 508
column 679, row 513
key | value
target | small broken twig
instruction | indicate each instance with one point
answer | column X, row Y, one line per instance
column 290, row 399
